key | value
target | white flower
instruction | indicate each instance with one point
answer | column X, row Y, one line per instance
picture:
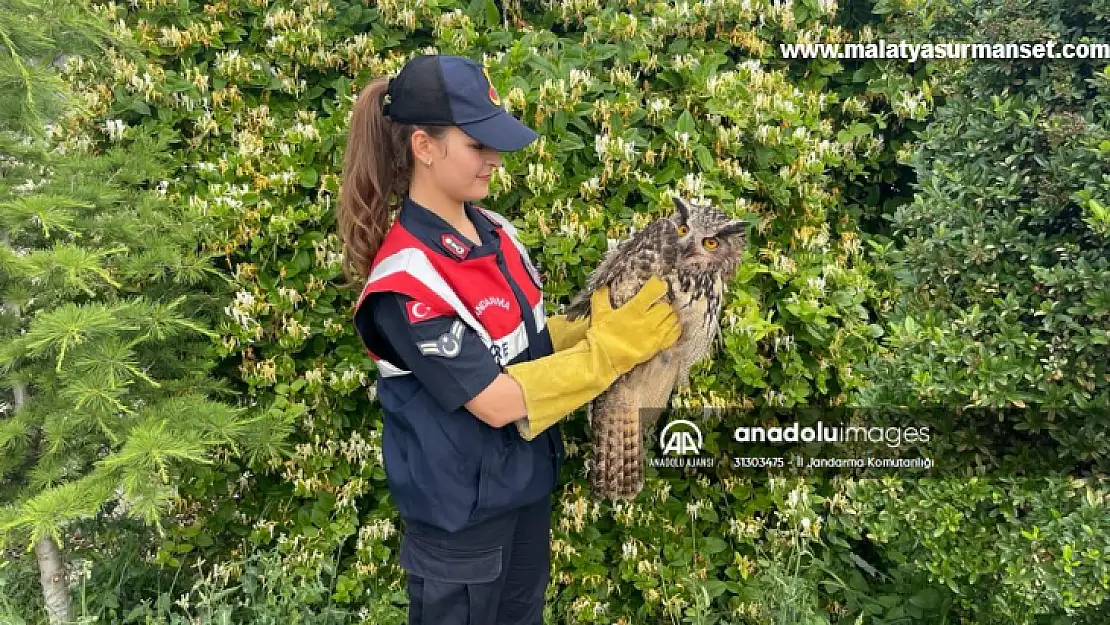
column 628, row 550
column 816, row 283
column 601, row 144
column 693, row 508
column 246, row 298
column 590, row 188
column 580, row 77
column 116, row 129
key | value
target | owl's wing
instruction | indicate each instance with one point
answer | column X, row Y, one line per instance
column 625, row 269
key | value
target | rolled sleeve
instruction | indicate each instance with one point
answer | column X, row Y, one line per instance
column 452, row 377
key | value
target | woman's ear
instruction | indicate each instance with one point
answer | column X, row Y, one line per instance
column 421, row 144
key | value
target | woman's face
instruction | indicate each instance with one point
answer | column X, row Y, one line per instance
column 461, row 166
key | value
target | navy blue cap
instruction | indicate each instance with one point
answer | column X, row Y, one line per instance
column 441, row 90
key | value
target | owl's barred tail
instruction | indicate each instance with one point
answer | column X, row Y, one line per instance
column 618, row 470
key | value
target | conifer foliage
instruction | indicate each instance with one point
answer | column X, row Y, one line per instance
column 105, row 390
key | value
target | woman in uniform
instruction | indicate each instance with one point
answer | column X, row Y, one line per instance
column 472, row 375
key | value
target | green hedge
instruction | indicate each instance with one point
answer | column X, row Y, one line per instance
column 633, row 100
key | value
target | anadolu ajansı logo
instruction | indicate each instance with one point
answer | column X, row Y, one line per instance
column 675, row 440
column 680, row 444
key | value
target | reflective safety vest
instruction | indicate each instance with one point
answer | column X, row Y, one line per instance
column 470, row 289
column 450, row 469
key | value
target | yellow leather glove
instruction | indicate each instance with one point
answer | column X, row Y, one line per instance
column 564, row 332
column 615, row 342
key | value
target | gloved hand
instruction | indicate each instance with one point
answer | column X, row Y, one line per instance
column 564, row 332
column 615, row 342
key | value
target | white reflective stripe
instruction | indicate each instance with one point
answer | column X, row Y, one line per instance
column 537, row 310
column 540, row 315
column 511, row 345
column 415, row 263
column 389, row 371
column 502, row 221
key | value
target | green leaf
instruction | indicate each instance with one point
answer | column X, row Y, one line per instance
column 704, row 158
column 139, row 107
column 309, row 177
column 714, row 545
column 927, row 598
column 910, row 325
column 493, row 14
column 686, row 124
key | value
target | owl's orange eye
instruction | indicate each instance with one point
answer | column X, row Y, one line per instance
column 682, row 230
column 710, row 243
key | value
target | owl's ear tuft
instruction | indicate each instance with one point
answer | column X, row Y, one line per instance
column 732, row 229
column 683, row 210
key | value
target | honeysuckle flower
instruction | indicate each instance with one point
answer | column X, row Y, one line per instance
column 115, row 129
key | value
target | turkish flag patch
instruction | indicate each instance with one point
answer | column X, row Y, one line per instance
column 452, row 244
column 419, row 311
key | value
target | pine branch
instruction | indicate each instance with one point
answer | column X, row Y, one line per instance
column 99, row 400
column 95, row 191
column 144, row 161
column 32, row 36
column 112, row 361
column 152, row 448
column 19, row 77
column 268, row 439
column 45, row 514
column 41, row 211
column 19, row 443
column 194, row 268
column 212, row 422
column 146, row 499
column 15, row 435
column 67, row 266
column 54, row 332
column 157, row 321
column 47, row 471
column 69, row 444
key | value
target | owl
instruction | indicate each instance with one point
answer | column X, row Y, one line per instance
column 696, row 250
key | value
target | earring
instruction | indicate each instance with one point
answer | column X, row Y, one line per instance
column 428, row 163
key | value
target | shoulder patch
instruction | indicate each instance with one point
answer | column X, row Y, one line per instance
column 419, row 311
column 447, row 345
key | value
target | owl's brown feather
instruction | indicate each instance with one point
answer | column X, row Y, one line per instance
column 616, row 432
column 653, row 250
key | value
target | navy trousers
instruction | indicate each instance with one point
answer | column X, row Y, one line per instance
column 494, row 573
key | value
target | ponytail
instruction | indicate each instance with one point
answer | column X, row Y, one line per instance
column 377, row 165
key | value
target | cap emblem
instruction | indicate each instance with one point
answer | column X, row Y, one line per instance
column 493, row 97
